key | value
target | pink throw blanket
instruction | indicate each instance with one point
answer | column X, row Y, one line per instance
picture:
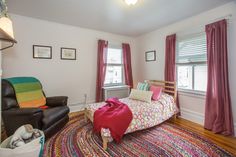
column 115, row 115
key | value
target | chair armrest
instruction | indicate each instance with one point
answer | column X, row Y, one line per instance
column 23, row 111
column 56, row 101
column 16, row 117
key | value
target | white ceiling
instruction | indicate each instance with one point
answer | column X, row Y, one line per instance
column 113, row 15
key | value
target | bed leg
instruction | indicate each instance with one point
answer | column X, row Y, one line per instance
column 105, row 141
column 175, row 116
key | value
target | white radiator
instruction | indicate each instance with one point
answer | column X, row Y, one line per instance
column 116, row 91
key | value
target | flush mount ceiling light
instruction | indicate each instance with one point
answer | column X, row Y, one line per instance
column 6, row 29
column 131, row 2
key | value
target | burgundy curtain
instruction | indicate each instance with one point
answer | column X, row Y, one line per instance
column 101, row 68
column 170, row 68
column 127, row 65
column 218, row 112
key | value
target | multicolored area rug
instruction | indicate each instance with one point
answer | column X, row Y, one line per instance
column 165, row 140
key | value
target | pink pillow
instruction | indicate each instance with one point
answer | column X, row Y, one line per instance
column 156, row 92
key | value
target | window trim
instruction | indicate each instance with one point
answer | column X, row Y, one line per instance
column 192, row 91
column 194, row 94
column 197, row 92
column 122, row 75
column 116, row 64
column 190, row 63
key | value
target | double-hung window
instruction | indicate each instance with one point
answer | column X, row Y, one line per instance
column 191, row 63
column 114, row 67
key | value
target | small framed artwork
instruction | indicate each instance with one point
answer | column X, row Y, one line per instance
column 42, row 52
column 150, row 56
column 68, row 53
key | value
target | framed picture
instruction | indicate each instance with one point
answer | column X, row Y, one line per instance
column 42, row 52
column 150, row 56
column 68, row 53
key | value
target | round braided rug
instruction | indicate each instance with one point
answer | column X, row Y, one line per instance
column 165, row 140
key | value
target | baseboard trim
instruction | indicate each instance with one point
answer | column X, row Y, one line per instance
column 192, row 116
column 76, row 107
column 196, row 117
column 79, row 106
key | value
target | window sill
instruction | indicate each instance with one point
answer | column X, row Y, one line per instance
column 191, row 93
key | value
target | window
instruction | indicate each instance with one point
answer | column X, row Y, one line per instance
column 191, row 63
column 114, row 69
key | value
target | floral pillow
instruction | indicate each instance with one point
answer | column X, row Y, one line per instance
column 141, row 95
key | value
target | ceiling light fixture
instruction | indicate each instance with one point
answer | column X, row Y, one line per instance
column 131, row 2
column 6, row 29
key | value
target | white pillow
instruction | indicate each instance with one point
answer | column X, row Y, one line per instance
column 141, row 95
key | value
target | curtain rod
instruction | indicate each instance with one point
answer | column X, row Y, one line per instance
column 227, row 17
column 201, row 31
column 112, row 42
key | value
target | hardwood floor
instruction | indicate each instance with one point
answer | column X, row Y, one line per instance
column 226, row 142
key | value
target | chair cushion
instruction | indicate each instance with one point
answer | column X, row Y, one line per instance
column 54, row 114
column 28, row 91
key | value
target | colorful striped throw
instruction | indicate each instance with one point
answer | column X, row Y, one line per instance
column 29, row 93
column 143, row 86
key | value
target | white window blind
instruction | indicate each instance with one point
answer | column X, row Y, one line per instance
column 191, row 49
column 191, row 57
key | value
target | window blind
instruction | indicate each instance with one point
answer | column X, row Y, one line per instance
column 192, row 49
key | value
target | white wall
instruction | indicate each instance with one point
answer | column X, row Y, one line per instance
column 59, row 77
column 192, row 107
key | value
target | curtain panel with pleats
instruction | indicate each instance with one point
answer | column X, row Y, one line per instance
column 218, row 111
column 170, row 66
column 127, row 65
column 101, row 68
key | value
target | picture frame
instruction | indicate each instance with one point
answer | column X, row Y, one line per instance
column 42, row 52
column 150, row 56
column 68, row 53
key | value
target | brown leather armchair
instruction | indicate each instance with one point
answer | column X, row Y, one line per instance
column 48, row 120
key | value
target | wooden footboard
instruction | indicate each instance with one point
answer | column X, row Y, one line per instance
column 88, row 116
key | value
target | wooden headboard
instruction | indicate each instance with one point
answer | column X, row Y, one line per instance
column 168, row 86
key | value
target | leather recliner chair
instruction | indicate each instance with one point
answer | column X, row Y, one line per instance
column 48, row 120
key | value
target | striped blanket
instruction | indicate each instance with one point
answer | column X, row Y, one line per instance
column 28, row 91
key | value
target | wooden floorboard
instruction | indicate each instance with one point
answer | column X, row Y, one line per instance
column 226, row 142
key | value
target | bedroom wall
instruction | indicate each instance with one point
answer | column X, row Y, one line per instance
column 192, row 106
column 72, row 78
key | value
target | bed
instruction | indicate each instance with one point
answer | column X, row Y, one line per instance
column 145, row 115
